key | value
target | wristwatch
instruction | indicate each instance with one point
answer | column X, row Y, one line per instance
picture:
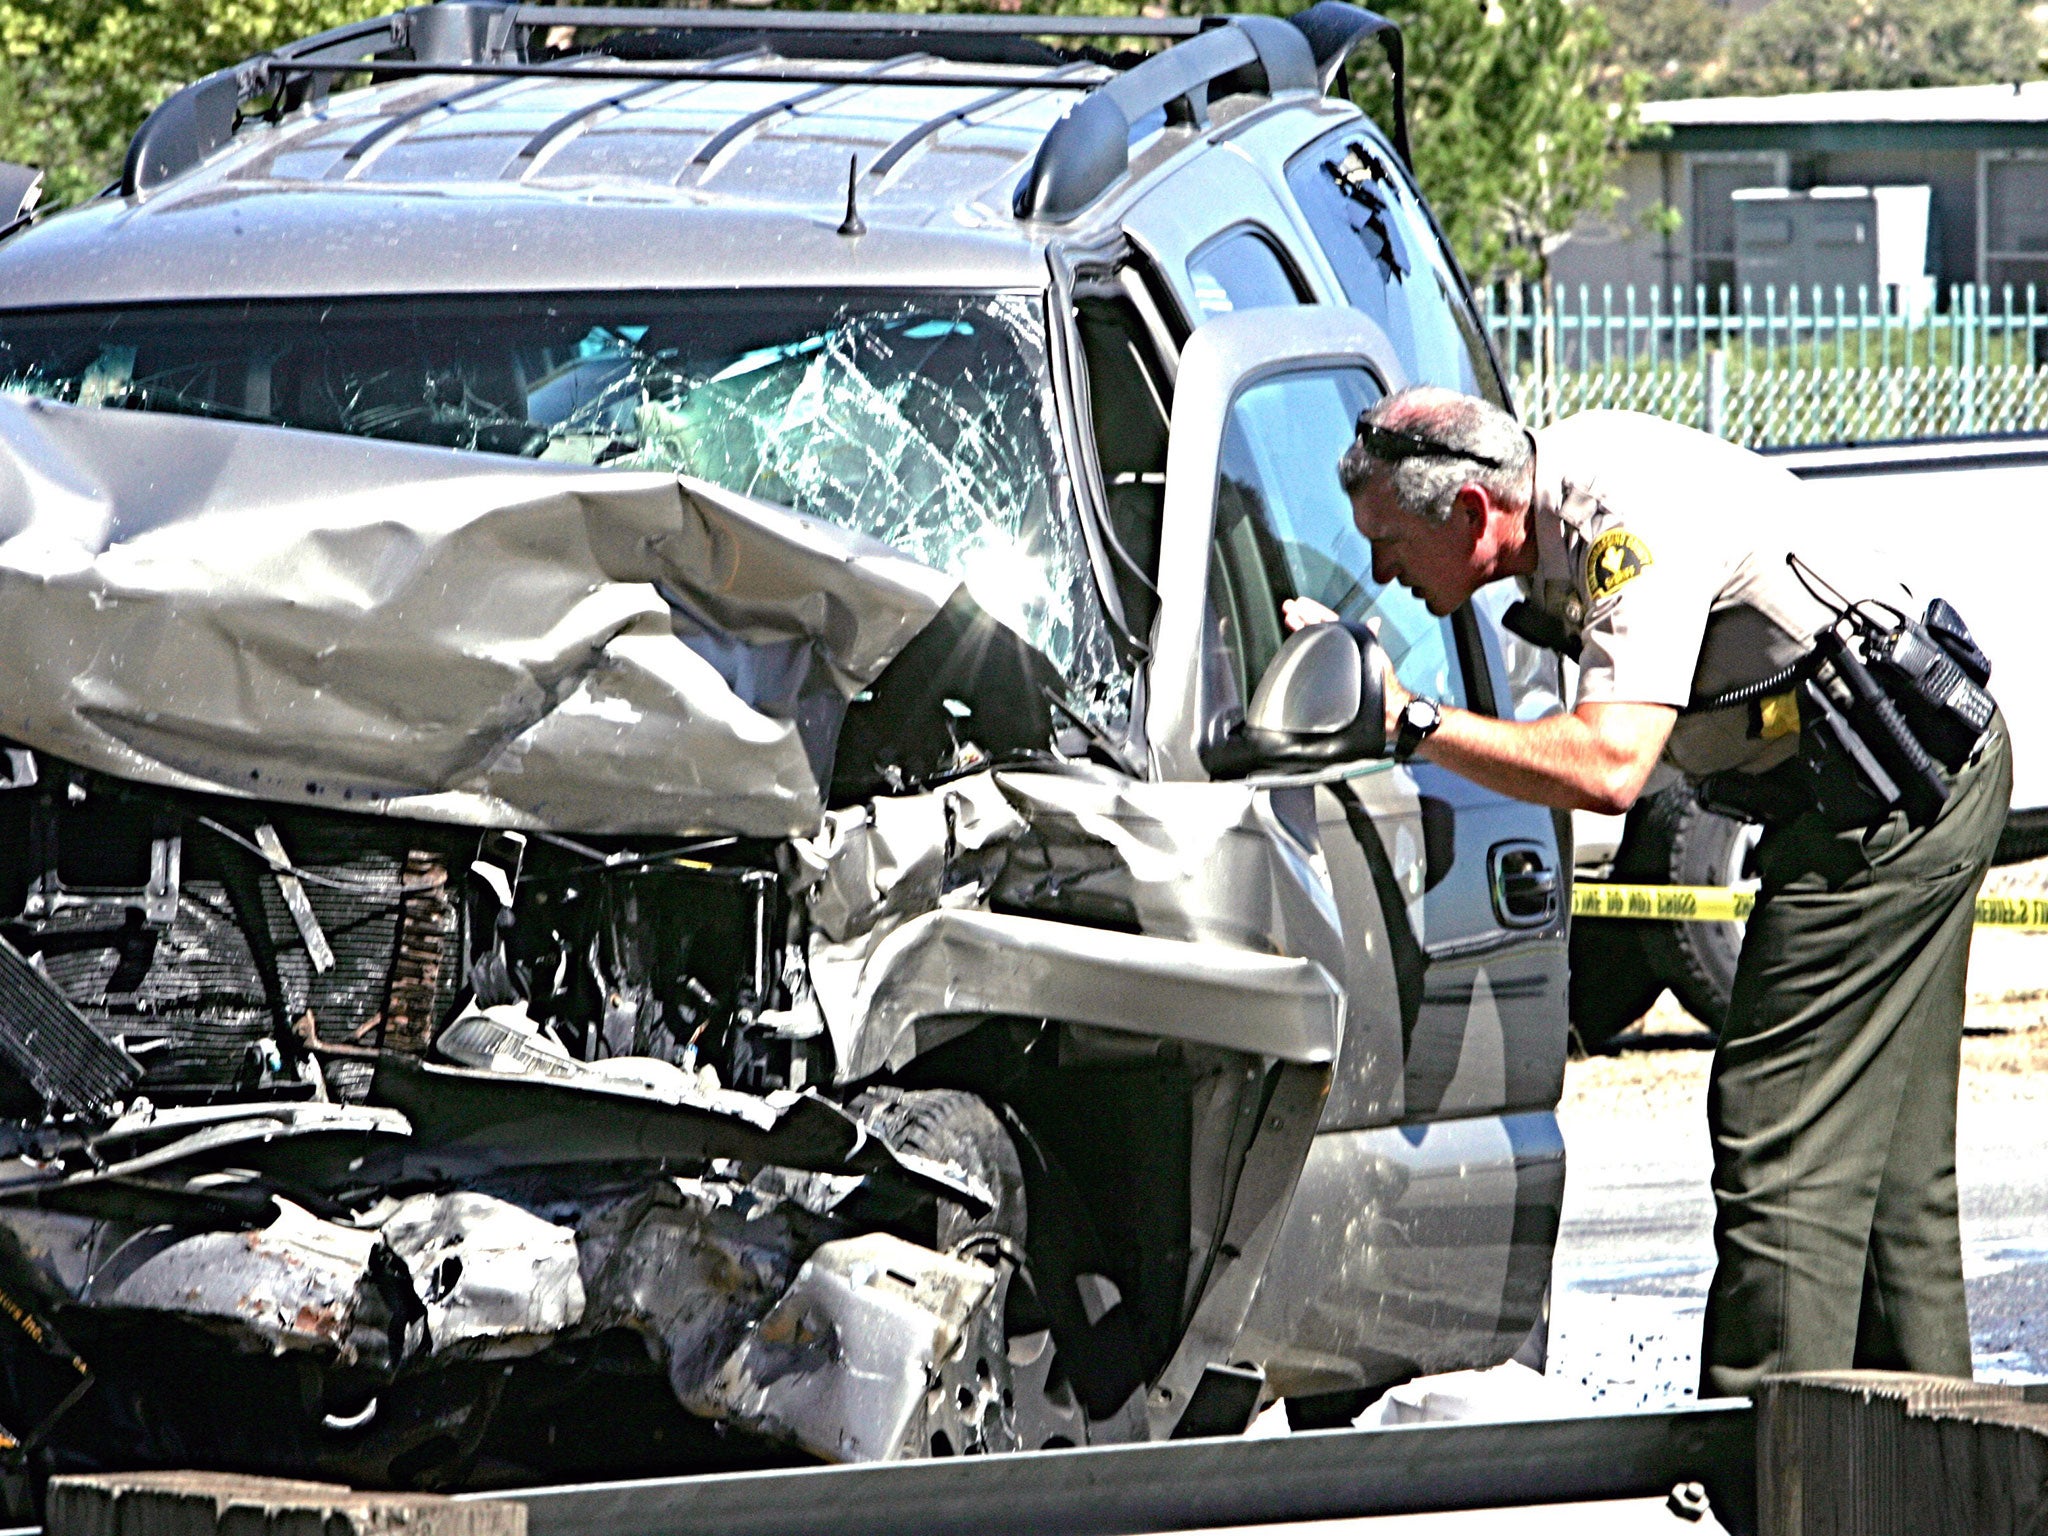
column 1419, row 719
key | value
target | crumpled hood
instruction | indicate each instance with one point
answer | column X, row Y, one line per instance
column 422, row 632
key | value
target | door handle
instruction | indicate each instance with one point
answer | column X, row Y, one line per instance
column 1524, row 886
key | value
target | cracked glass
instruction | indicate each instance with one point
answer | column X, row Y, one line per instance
column 924, row 420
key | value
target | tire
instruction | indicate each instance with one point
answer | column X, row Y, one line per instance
column 947, row 1125
column 1686, row 844
column 1612, row 984
column 978, row 1400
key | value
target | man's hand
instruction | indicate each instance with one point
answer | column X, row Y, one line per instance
column 1300, row 612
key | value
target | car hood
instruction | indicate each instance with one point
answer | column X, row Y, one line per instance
column 374, row 626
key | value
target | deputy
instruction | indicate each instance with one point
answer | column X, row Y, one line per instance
column 1658, row 553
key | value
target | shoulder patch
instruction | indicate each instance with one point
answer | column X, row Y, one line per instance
column 1614, row 559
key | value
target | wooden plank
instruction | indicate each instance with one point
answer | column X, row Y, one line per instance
column 1881, row 1453
column 225, row 1504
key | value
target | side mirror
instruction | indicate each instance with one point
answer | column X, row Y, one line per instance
column 1320, row 703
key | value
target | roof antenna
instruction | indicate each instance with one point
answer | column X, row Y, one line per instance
column 853, row 223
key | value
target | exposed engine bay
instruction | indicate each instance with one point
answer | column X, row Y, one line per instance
column 483, row 1126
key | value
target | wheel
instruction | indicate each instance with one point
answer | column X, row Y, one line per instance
column 1687, row 844
column 1612, row 984
column 1004, row 1391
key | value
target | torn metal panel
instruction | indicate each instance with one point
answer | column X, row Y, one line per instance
column 317, row 1144
column 298, row 1283
column 692, row 1271
column 946, row 965
column 469, row 1123
column 900, row 855
column 845, row 1362
column 496, row 1281
column 307, row 618
column 1209, row 863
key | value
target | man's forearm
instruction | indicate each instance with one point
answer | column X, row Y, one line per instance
column 1565, row 761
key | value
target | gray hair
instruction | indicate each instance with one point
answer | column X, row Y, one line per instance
column 1425, row 485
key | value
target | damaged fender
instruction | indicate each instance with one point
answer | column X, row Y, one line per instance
column 949, row 965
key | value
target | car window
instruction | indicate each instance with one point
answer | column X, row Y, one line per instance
column 1240, row 269
column 1284, row 529
column 1391, row 262
column 1535, row 678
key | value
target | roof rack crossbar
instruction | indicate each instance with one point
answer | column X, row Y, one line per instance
column 886, row 162
column 364, row 149
column 869, row 22
column 570, row 121
column 1086, row 152
column 712, row 147
column 1089, row 149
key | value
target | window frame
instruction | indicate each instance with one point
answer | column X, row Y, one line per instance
column 1303, row 293
column 1229, row 686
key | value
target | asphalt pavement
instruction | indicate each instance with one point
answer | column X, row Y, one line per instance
column 1636, row 1249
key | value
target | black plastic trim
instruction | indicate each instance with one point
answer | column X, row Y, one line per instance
column 1088, row 150
column 1334, row 30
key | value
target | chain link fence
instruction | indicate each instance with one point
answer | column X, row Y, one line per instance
column 1782, row 367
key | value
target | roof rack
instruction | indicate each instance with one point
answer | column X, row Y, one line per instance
column 1082, row 156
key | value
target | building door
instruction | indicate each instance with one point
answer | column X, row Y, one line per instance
column 1715, row 179
column 2015, row 227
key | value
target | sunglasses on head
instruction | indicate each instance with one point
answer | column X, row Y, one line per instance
column 1390, row 445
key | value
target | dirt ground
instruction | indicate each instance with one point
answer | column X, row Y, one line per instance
column 1636, row 1248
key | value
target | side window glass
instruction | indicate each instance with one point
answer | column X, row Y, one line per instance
column 1390, row 261
column 1240, row 269
column 1284, row 529
column 1535, row 676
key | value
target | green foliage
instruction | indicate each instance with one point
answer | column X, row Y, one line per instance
column 1689, row 47
column 1840, row 45
column 1516, row 132
column 80, row 75
column 1675, row 45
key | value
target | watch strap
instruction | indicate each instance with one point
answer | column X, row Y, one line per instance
column 1411, row 734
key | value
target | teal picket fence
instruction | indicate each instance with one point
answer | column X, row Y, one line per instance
column 1778, row 367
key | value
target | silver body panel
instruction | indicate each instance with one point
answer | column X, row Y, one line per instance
column 1374, row 1189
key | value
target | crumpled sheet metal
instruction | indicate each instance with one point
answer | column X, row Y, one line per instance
column 496, row 1281
column 692, row 1274
column 945, row 964
column 897, row 892
column 489, row 1279
column 844, row 1361
column 375, row 626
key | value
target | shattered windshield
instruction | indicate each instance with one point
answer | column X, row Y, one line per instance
column 920, row 419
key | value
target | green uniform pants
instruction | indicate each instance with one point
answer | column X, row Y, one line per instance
column 1832, row 1104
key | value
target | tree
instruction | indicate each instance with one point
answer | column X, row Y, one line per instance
column 82, row 74
column 1843, row 45
column 1675, row 45
column 1517, row 131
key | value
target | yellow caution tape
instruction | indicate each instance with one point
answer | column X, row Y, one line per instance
column 1671, row 903
column 1722, row 904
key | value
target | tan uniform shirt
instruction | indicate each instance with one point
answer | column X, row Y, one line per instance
column 1664, row 550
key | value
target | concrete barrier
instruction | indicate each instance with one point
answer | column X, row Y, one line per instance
column 224, row 1504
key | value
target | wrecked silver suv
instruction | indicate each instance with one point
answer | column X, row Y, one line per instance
column 657, row 812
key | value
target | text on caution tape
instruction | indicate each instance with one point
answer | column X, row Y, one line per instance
column 1722, row 904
